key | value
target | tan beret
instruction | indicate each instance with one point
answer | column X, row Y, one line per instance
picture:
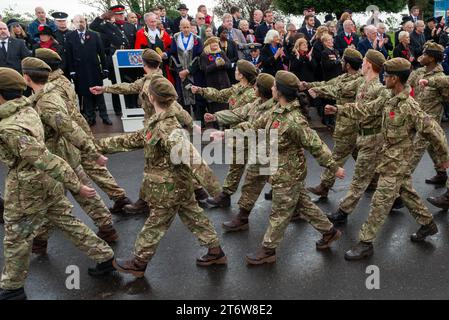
column 162, row 88
column 47, row 55
column 211, row 40
column 248, row 70
column 397, row 65
column 433, row 46
column 375, row 57
column 265, row 80
column 352, row 54
column 34, row 64
column 287, row 79
column 151, row 55
column 10, row 79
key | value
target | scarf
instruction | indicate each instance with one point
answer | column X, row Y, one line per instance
column 48, row 45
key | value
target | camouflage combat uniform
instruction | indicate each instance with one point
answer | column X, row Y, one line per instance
column 65, row 138
column 168, row 188
column 99, row 174
column 236, row 96
column 401, row 119
column 33, row 196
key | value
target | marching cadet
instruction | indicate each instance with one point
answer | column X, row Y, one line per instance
column 34, row 193
column 345, row 137
column 151, row 63
column 289, row 194
column 168, row 185
column 99, row 174
column 236, row 96
column 402, row 118
column 64, row 137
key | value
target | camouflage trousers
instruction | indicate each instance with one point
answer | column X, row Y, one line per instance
column 389, row 187
column 23, row 223
column 95, row 208
column 420, row 145
column 102, row 178
column 288, row 199
column 162, row 217
column 252, row 187
column 365, row 167
column 343, row 148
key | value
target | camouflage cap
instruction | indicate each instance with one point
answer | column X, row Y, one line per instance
column 287, row 79
column 162, row 88
column 352, row 54
column 248, row 70
column 375, row 57
column 265, row 80
column 10, row 79
column 433, row 47
column 47, row 55
column 151, row 55
column 396, row 65
column 34, row 64
column 211, row 40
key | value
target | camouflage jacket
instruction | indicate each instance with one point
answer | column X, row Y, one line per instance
column 336, row 88
column 294, row 135
column 402, row 118
column 32, row 168
column 247, row 112
column 141, row 87
column 65, row 90
column 236, row 96
column 166, row 182
column 63, row 136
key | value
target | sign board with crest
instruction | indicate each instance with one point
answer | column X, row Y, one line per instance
column 132, row 119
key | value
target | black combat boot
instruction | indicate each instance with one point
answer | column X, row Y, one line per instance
column 372, row 185
column 360, row 251
column 398, row 204
column 439, row 179
column 12, row 294
column 238, row 223
column 2, row 210
column 328, row 237
column 39, row 247
column 424, row 231
column 201, row 196
column 269, row 195
column 339, row 217
column 133, row 266
column 119, row 204
column 108, row 234
column 319, row 190
column 102, row 269
column 213, row 256
column 223, row 200
column 261, row 256
column 441, row 201
column 139, row 207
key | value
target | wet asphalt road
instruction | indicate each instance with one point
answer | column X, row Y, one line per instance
column 407, row 270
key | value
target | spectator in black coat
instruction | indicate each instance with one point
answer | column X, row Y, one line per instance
column 382, row 34
column 230, row 49
column 17, row 31
column 302, row 64
column 403, row 49
column 263, row 28
column 317, row 49
column 330, row 59
column 168, row 23
column 417, row 41
column 272, row 53
column 12, row 51
column 309, row 28
column 347, row 38
column 183, row 10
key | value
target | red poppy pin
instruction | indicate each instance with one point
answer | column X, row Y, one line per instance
column 195, row 43
column 87, row 37
column 232, row 102
column 392, row 114
column 149, row 135
column 211, row 58
column 40, row 28
column 275, row 125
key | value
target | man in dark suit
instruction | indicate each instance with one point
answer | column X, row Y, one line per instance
column 311, row 12
column 133, row 19
column 347, row 38
column 263, row 28
column 254, row 57
column 183, row 11
column 371, row 42
column 119, row 35
column 12, row 51
column 309, row 29
column 87, row 65
column 414, row 14
column 166, row 21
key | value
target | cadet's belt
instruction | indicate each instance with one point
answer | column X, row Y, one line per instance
column 369, row 131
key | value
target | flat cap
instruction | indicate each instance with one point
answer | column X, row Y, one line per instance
column 211, row 40
column 59, row 15
column 47, row 54
column 397, row 65
column 34, row 64
column 287, row 79
column 265, row 80
column 151, row 55
column 375, row 57
column 10, row 79
column 162, row 88
column 352, row 54
column 433, row 46
column 248, row 70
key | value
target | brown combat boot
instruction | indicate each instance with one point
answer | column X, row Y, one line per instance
column 108, row 233
column 139, row 207
column 201, row 196
column 261, row 256
column 328, row 237
column 238, row 223
column 439, row 179
column 213, row 256
column 2, row 210
column 424, row 231
column 223, row 200
column 119, row 204
column 441, row 201
column 319, row 190
column 39, row 247
column 133, row 266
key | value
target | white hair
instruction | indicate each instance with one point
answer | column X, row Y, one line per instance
column 77, row 17
column 420, row 23
column 149, row 14
column 271, row 34
column 403, row 34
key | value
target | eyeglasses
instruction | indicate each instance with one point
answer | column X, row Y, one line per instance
column 201, row 18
